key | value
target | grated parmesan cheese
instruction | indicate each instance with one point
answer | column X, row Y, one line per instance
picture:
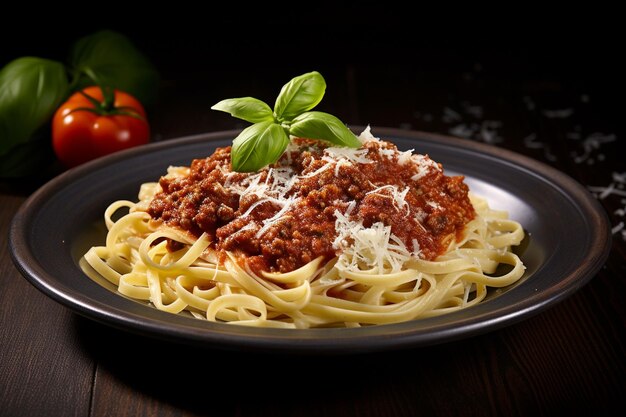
column 372, row 247
column 366, row 136
column 398, row 197
column 267, row 223
column 334, row 154
column 423, row 164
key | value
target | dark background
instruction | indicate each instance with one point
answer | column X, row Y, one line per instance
column 411, row 59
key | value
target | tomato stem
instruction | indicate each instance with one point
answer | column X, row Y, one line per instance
column 128, row 111
column 109, row 97
column 107, row 106
column 89, row 109
column 92, row 100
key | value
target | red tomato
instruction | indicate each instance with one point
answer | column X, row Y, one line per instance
column 83, row 130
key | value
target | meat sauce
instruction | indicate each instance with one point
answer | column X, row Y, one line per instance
column 284, row 216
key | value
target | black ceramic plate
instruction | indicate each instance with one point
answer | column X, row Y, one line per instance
column 569, row 240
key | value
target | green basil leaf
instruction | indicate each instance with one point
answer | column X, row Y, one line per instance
column 249, row 109
column 31, row 89
column 299, row 95
column 323, row 126
column 109, row 58
column 258, row 146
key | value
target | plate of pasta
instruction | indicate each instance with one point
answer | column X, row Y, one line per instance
column 409, row 240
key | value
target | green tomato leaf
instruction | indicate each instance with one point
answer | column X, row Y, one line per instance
column 109, row 58
column 299, row 95
column 31, row 89
column 258, row 146
column 247, row 108
column 323, row 126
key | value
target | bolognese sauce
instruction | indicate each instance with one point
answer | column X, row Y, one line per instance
column 284, row 216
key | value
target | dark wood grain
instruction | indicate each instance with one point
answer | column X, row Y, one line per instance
column 43, row 371
column 538, row 367
column 569, row 359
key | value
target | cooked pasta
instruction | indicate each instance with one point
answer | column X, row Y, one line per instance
column 298, row 246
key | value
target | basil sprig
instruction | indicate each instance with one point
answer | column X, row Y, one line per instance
column 265, row 141
column 30, row 91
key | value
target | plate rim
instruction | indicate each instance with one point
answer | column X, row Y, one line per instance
column 342, row 340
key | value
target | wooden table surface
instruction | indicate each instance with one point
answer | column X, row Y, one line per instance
column 545, row 101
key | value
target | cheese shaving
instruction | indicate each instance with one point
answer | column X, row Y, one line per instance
column 398, row 197
column 424, row 165
column 364, row 248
